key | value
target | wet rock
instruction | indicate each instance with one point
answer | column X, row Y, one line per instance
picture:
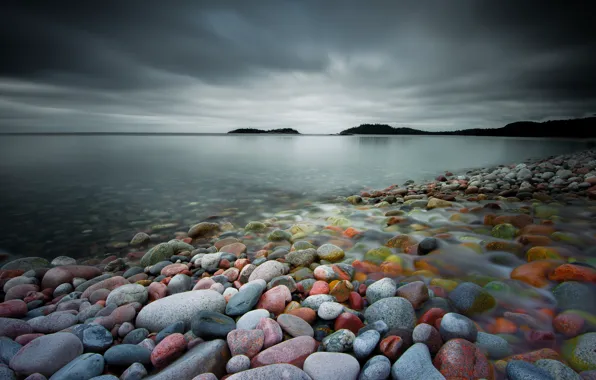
column 315, row 301
column 245, row 342
column 168, row 350
column 136, row 336
column 331, row 366
column 267, row 271
column 330, row 252
column 156, row 254
column 180, row 283
column 128, row 294
column 275, row 300
column 212, row 325
column 202, row 229
column 471, row 299
column 416, row 292
column 455, row 326
column 428, row 335
column 396, row 312
column 273, row 371
column 8, row 349
column 580, row 352
column 330, row 310
column 557, row 370
column 54, row 322
column 521, row 370
column 415, row 363
column 12, row 327
column 136, row 371
column 27, row 263
column 459, row 358
column 493, row 345
column 123, row 355
column 293, row 351
column 177, row 327
column 295, row 326
column 85, row 366
column 340, row 341
column 13, row 309
column 271, row 330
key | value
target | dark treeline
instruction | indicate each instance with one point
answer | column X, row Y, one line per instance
column 287, row 131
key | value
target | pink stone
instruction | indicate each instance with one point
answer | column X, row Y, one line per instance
column 274, row 300
column 234, row 248
column 109, row 283
column 245, row 342
column 99, row 295
column 319, row 287
column 13, row 309
column 168, row 350
column 173, row 269
column 20, row 291
column 124, row 313
column 204, row 283
column 26, row 338
column 66, row 273
column 293, row 351
column 232, row 274
column 272, row 331
column 156, row 291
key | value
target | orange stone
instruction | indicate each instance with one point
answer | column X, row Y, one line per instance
column 319, row 287
column 305, row 313
column 511, row 247
column 570, row 272
column 535, row 273
column 360, row 277
column 400, row 241
column 365, row 267
column 351, row 232
column 293, row 305
column 537, row 229
column 391, row 269
column 502, row 326
column 542, row 253
column 341, row 290
column 519, row 221
column 343, row 275
column 533, row 356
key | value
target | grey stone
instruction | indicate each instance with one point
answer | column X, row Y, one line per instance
column 365, row 343
column 156, row 254
column 85, row 285
column 7, row 373
column 95, row 338
column 379, row 326
column 315, row 301
column 244, row 300
column 212, row 325
column 557, row 369
column 521, row 370
column 340, row 341
column 493, row 346
column 136, row 336
column 210, row 262
column 455, row 325
column 415, row 363
column 250, row 320
column 331, row 366
column 179, row 283
column 128, row 294
column 27, row 263
column 238, row 363
column 123, row 355
column 54, row 322
column 396, row 312
column 133, row 271
column 136, row 371
column 63, row 260
column 177, row 327
column 268, row 270
column 330, row 310
column 376, row 368
column 8, row 349
column 83, row 367
column 295, row 326
column 302, row 258
column 576, row 295
column 383, row 288
column 179, row 307
column 62, row 290
column 470, row 298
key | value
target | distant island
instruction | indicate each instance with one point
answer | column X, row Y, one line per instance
column 576, row 128
column 283, row 131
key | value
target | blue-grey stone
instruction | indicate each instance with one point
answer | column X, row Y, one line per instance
column 177, row 327
column 237, row 364
column 136, row 336
column 83, row 367
column 379, row 326
column 470, row 298
column 365, row 343
column 376, row 368
column 575, row 295
column 396, row 312
column 415, row 363
column 317, row 300
column 135, row 372
column 521, row 370
column 212, row 325
column 331, row 365
column 8, row 349
column 557, row 369
column 155, row 269
column 7, row 373
column 179, row 283
column 124, row 355
column 243, row 301
column 95, row 338
column 340, row 341
column 104, row 377
column 383, row 288
column 250, row 320
column 493, row 345
column 455, row 325
column 133, row 271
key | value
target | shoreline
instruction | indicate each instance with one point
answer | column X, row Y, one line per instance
column 498, row 262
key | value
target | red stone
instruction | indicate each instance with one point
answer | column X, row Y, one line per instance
column 569, row 324
column 293, row 351
column 544, row 353
column 246, row 342
column 570, row 272
column 66, row 273
column 204, row 283
column 348, row 321
column 168, row 350
column 109, row 283
column 343, row 275
column 235, row 248
column 173, row 269
column 431, row 316
column 355, row 301
column 391, row 347
column 274, row 300
column 156, row 291
column 460, row 359
column 13, row 309
column 20, row 291
column 305, row 313
column 416, row 292
column 319, row 287
column 541, row 339
column 224, row 264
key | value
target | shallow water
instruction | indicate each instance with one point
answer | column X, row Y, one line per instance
column 75, row 195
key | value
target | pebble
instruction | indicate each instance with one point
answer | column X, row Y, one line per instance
column 275, row 300
column 243, row 301
column 179, row 307
column 349, row 320
column 178, row 284
column 128, row 294
column 272, row 331
column 47, row 354
column 331, row 366
column 380, row 289
column 238, row 363
column 415, row 363
column 315, row 301
column 212, row 325
column 557, row 370
column 95, row 338
column 160, row 252
column 471, row 299
column 85, row 366
column 136, row 371
column 365, row 344
column 521, row 370
column 13, row 309
column 274, row 371
column 7, row 374
column 428, row 335
column 54, row 322
column 396, row 312
column 177, row 327
column 293, row 351
column 493, row 345
column 379, row 326
column 416, row 292
column 330, row 252
column 136, row 336
column 376, row 368
column 168, row 350
column 268, row 270
column 340, row 341
column 457, row 326
column 330, row 310
column 245, row 342
column 8, row 349
column 250, row 320
column 459, row 358
column 295, row 326
column 123, row 355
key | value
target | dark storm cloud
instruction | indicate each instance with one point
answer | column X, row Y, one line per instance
column 318, row 66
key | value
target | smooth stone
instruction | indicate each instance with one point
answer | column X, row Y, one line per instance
column 455, row 326
column 8, row 349
column 62, row 290
column 128, row 294
column 428, row 335
column 383, row 288
column 156, row 254
column 268, row 270
column 245, row 342
column 206, row 357
column 379, row 326
column 212, row 325
column 133, row 271
column 177, row 327
column 580, row 352
column 376, row 368
column 494, row 346
column 315, row 301
column 27, row 263
column 123, row 355
column 63, row 260
column 295, row 326
column 13, row 309
column 521, row 370
column 330, row 310
column 136, row 336
column 575, row 295
column 85, row 366
column 54, row 322
column 250, row 320
column 168, row 350
column 47, row 354
column 243, row 301
column 557, row 369
column 110, row 283
column 210, row 262
column 416, row 292
column 273, row 371
column 340, row 341
column 365, row 343
column 89, row 283
column 331, row 366
column 272, row 331
column 459, row 358
column 396, row 312
column 293, row 351
column 7, row 373
column 471, row 299
column 275, row 300
column 20, row 280
column 179, row 307
column 237, row 364
column 95, row 338
column 179, row 283
column 330, row 252
column 136, row 371
column 415, row 363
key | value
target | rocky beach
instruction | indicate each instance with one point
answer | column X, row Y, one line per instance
column 486, row 274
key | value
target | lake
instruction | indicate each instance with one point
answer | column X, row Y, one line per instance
column 80, row 195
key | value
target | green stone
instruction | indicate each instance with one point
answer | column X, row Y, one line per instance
column 545, row 211
column 280, row 235
column 160, row 252
column 580, row 352
column 504, row 231
column 302, row 244
column 378, row 255
column 354, row 199
column 338, row 221
column 255, row 227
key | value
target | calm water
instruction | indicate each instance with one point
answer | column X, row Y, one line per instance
column 77, row 195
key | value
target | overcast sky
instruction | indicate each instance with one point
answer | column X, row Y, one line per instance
column 318, row 66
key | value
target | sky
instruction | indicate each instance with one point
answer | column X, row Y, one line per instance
column 318, row 66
